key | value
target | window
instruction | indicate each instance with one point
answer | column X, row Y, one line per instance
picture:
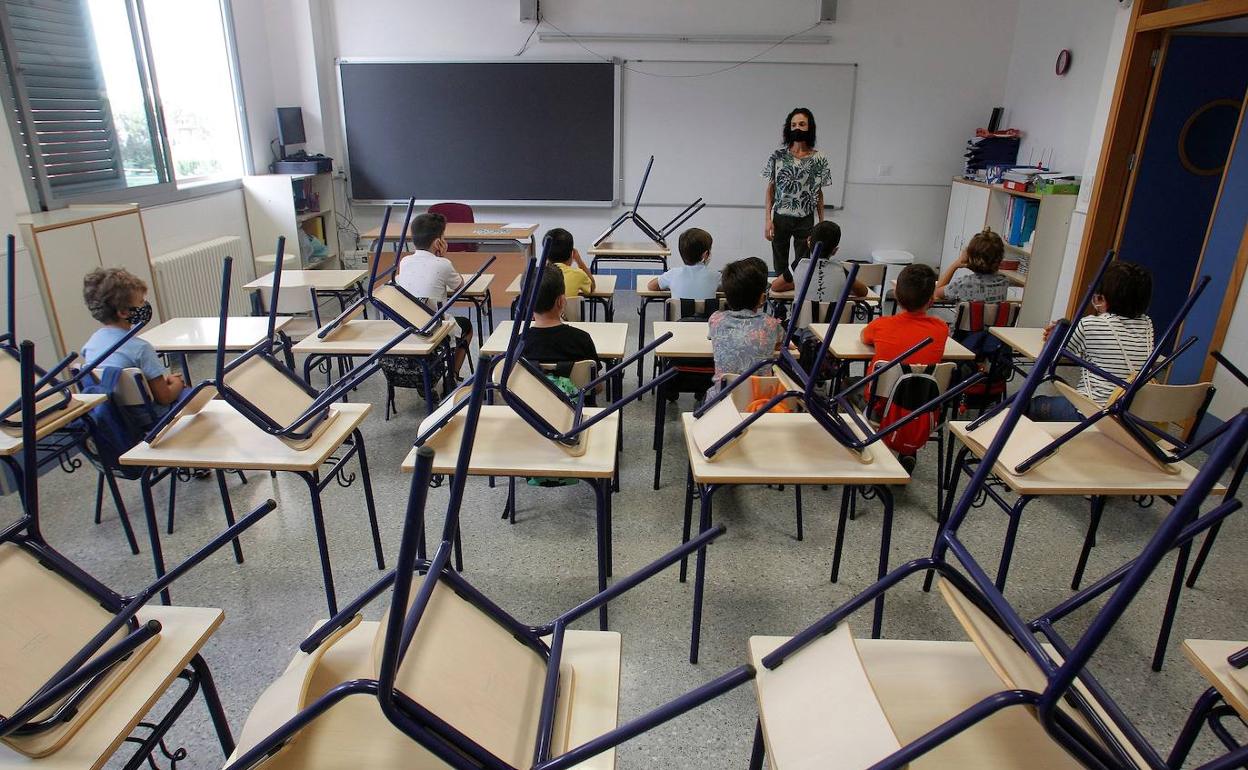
column 116, row 99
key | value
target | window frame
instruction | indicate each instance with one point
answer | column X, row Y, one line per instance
column 39, row 192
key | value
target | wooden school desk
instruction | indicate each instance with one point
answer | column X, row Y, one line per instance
column 847, row 344
column 179, row 337
column 478, row 295
column 688, row 340
column 603, row 295
column 1209, row 658
column 1026, row 341
column 646, row 295
column 628, row 252
column 1090, row 464
column 184, row 631
column 360, row 338
column 871, row 301
column 11, row 445
column 787, row 449
column 344, row 285
column 469, row 232
column 218, row 438
column 508, row 446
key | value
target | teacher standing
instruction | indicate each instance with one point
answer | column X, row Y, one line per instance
column 796, row 175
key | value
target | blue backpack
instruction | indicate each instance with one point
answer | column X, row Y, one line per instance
column 111, row 428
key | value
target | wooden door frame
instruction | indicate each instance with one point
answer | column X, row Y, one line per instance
column 1147, row 29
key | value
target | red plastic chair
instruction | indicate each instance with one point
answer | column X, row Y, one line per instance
column 455, row 212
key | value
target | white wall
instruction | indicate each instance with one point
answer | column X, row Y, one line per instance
column 929, row 74
column 1055, row 113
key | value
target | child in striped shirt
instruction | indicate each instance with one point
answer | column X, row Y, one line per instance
column 1118, row 339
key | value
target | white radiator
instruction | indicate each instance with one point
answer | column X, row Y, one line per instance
column 188, row 281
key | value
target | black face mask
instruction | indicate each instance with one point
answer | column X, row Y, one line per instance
column 798, row 135
column 141, row 314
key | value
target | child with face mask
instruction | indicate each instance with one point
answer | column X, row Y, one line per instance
column 118, row 300
column 1118, row 338
column 694, row 279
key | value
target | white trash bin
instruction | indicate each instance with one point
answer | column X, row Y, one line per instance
column 293, row 301
column 895, row 261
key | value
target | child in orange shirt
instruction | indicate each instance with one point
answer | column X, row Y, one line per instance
column 893, row 335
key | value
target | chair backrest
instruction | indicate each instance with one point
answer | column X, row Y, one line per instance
column 579, row 372
column 870, row 273
column 1167, row 405
column 572, row 309
column 455, row 212
column 823, row 312
column 270, row 389
column 977, row 316
column 132, row 388
column 11, row 393
column 675, row 308
column 538, row 395
column 887, row 382
column 403, row 305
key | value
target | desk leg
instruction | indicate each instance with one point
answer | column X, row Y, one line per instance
column 759, row 750
column 186, row 368
column 229, row 511
column 886, row 538
column 956, row 468
column 1172, row 605
column 610, row 534
column 357, row 439
column 660, row 417
column 489, row 310
column 684, row 533
column 153, row 527
column 706, row 492
column 284, row 341
column 601, row 491
column 641, row 337
column 797, row 495
column 322, row 546
column 1089, row 539
column 846, row 492
column 1015, row 513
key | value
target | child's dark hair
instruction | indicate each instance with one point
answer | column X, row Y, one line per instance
column 984, row 252
column 1127, row 289
column 787, row 133
column 560, row 245
column 426, row 228
column 108, row 292
column 915, row 286
column 549, row 290
column 828, row 233
column 744, row 282
column 694, row 242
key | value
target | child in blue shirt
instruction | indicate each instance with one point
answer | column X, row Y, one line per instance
column 118, row 299
column 694, row 279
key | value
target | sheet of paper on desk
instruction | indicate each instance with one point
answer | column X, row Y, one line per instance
column 519, row 225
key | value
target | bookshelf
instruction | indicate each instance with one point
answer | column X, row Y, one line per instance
column 975, row 205
column 284, row 204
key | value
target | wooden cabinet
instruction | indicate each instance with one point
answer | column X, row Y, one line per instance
column 974, row 206
column 285, row 205
column 67, row 244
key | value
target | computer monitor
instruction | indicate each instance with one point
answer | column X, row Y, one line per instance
column 290, row 126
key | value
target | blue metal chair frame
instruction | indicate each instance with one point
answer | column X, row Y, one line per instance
column 1145, row 433
column 376, row 278
column 514, row 358
column 79, row 675
column 1095, row 748
column 658, row 235
column 412, row 718
column 301, row 428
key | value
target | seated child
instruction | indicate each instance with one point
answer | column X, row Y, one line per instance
column 1118, row 339
column 549, row 340
column 830, row 273
column 893, row 335
column 694, row 279
column 426, row 273
column 117, row 300
column 982, row 255
column 577, row 280
column 743, row 335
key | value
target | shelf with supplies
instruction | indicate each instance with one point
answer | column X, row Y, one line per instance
column 290, row 205
column 1039, row 222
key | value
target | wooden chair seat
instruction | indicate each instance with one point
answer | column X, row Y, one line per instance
column 265, row 386
column 1209, row 657
column 354, row 732
column 537, row 395
column 1110, row 426
column 848, row 703
column 11, row 391
column 714, row 424
column 400, row 303
column 47, row 620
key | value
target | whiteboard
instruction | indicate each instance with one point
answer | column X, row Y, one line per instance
column 710, row 135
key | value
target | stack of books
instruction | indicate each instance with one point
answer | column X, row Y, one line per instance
column 1020, row 222
column 983, row 151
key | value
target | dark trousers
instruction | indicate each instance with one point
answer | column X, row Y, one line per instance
column 786, row 228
